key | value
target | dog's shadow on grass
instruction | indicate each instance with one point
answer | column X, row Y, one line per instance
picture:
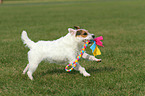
column 89, row 70
column 101, row 69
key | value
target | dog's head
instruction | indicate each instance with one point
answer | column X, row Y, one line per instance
column 81, row 34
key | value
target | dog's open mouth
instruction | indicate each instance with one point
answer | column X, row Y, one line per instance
column 91, row 41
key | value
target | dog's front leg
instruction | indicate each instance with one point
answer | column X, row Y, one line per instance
column 82, row 70
column 90, row 57
column 79, row 67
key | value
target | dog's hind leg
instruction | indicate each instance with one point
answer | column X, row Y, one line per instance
column 32, row 67
column 33, row 64
column 26, row 69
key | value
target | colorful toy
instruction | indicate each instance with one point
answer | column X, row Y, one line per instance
column 94, row 47
column 95, row 51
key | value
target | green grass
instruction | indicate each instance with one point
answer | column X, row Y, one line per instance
column 121, row 23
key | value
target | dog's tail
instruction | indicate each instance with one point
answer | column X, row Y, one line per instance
column 29, row 43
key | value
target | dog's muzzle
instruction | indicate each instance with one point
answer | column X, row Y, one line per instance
column 91, row 40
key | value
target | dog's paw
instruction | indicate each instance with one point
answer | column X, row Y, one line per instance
column 98, row 60
column 94, row 59
column 86, row 74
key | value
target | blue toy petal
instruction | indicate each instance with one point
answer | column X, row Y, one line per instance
column 93, row 47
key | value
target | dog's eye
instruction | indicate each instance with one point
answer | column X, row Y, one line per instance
column 78, row 33
column 85, row 34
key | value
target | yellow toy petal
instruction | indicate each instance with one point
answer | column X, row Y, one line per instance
column 97, row 51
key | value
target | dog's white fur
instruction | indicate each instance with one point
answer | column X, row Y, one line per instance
column 63, row 51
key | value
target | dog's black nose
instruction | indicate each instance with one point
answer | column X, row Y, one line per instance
column 93, row 36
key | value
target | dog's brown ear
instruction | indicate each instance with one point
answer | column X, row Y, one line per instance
column 76, row 27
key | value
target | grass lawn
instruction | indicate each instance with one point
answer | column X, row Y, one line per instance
column 120, row 22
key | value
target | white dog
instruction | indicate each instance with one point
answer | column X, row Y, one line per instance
column 63, row 50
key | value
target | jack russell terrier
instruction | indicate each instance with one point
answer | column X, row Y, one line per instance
column 63, row 50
